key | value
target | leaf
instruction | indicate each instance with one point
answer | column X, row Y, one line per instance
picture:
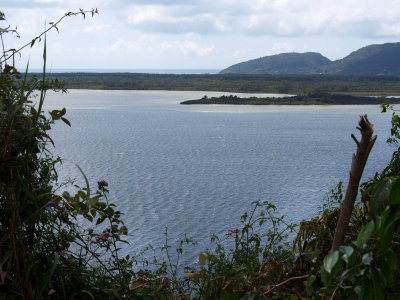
column 386, row 269
column 49, row 274
column 347, row 251
column 192, row 275
column 83, row 292
column 380, row 195
column 366, row 289
column 380, row 222
column 202, row 259
column 211, row 257
column 325, row 276
column 86, row 181
column 92, row 201
column 313, row 254
column 395, row 194
column 365, row 233
column 248, row 296
column 378, row 278
column 367, row 258
column 66, row 121
column 387, row 236
column 123, row 230
column 100, row 220
column 330, row 261
column 388, row 265
column 392, row 259
column 358, row 291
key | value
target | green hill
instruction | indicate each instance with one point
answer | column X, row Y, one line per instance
column 383, row 59
column 285, row 63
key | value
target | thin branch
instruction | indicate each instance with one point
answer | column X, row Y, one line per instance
column 167, row 282
column 355, row 140
column 284, row 283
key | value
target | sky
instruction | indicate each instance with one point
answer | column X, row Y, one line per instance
column 194, row 34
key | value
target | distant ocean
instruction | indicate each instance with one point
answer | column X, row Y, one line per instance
column 153, row 71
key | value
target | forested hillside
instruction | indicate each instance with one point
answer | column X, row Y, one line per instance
column 380, row 59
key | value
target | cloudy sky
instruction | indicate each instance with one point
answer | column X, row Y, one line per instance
column 196, row 34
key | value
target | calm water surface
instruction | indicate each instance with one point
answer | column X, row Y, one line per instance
column 197, row 169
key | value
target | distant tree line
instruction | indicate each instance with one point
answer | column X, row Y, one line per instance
column 310, row 99
column 292, row 84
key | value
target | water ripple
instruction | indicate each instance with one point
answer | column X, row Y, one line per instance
column 196, row 172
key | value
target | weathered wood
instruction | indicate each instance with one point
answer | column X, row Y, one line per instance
column 364, row 147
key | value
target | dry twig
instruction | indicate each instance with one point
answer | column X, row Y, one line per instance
column 284, row 283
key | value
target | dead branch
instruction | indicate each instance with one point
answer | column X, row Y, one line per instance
column 166, row 282
column 284, row 283
column 364, row 147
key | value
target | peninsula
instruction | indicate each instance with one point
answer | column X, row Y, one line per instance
column 310, row 99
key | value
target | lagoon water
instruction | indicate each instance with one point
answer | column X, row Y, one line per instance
column 196, row 169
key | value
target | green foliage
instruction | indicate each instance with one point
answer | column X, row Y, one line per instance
column 394, row 132
column 254, row 261
column 366, row 268
column 43, row 249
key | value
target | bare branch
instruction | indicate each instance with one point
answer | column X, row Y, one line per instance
column 354, row 138
column 285, row 282
column 357, row 167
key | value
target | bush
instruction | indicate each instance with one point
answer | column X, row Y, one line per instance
column 43, row 250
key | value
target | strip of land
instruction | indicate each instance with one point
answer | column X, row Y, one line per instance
column 234, row 83
column 311, row 99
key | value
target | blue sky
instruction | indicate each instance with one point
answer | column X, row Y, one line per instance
column 197, row 34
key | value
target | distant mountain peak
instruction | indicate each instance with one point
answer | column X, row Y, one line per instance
column 381, row 59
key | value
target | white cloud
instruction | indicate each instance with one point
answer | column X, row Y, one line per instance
column 97, row 28
column 122, row 45
column 238, row 53
column 179, row 33
column 147, row 13
column 389, row 29
column 187, row 48
column 281, row 48
column 47, row 1
column 261, row 17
